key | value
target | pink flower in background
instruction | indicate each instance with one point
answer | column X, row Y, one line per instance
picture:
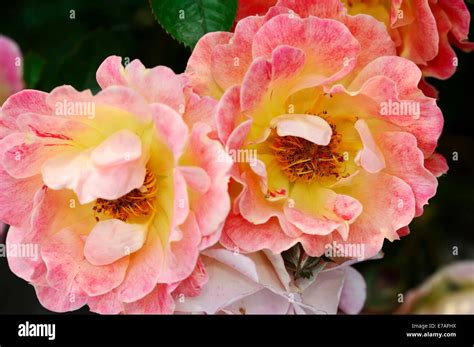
column 448, row 291
column 422, row 30
column 11, row 80
column 258, row 283
column 111, row 189
column 328, row 129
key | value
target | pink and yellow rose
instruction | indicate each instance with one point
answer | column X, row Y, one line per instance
column 120, row 190
column 313, row 96
column 423, row 31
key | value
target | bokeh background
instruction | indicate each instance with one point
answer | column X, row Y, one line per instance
column 59, row 49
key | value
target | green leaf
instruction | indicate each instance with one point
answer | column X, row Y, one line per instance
column 291, row 258
column 32, row 69
column 301, row 265
column 308, row 267
column 188, row 20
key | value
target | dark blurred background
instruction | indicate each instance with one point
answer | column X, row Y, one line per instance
column 59, row 49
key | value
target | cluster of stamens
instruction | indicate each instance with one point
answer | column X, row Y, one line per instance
column 301, row 159
column 138, row 203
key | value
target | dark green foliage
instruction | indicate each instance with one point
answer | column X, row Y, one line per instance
column 188, row 20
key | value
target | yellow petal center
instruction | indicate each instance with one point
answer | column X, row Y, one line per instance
column 302, row 160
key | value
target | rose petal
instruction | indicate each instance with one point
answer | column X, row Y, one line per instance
column 312, row 128
column 111, row 240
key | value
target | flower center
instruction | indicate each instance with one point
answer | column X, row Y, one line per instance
column 137, row 203
column 301, row 159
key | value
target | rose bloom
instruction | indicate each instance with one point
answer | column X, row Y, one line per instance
column 11, row 63
column 310, row 109
column 422, row 30
column 448, row 291
column 258, row 283
column 120, row 190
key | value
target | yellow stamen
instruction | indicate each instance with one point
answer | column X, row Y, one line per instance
column 301, row 159
column 137, row 203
